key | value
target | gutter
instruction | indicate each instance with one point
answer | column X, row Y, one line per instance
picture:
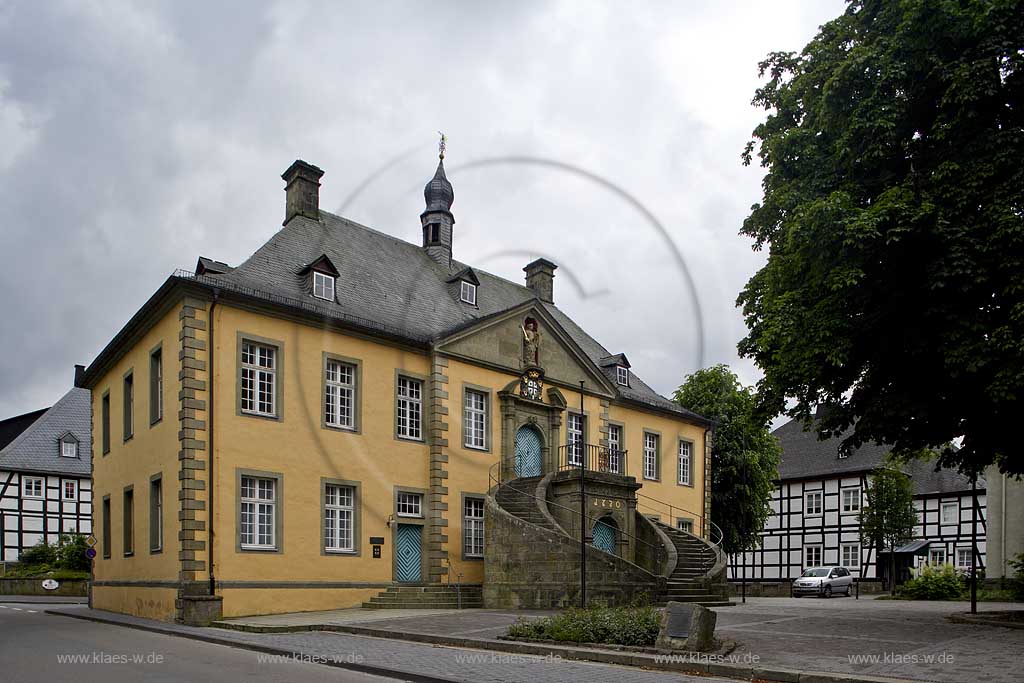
column 209, row 439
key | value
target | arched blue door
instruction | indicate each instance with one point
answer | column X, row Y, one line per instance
column 528, row 452
column 604, row 535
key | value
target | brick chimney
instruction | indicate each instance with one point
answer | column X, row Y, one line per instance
column 540, row 276
column 302, row 190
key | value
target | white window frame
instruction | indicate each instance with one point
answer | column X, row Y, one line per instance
column 64, row 445
column 340, row 394
column 473, row 527
column 339, row 518
column 467, row 292
column 615, row 449
column 955, row 507
column 256, row 373
column 408, row 504
column 968, row 560
column 323, row 286
column 807, row 555
column 622, row 375
column 936, row 552
column 814, row 511
column 474, row 420
column 685, row 465
column 650, row 464
column 685, row 525
column 843, row 560
column 851, row 499
column 575, row 425
column 409, row 408
column 74, row 490
column 28, row 483
column 254, row 503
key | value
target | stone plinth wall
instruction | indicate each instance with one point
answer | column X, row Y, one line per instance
column 78, row 588
column 527, row 567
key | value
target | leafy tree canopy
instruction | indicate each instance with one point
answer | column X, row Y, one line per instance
column 893, row 212
column 744, row 455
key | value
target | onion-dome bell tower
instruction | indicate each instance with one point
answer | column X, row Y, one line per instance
column 437, row 219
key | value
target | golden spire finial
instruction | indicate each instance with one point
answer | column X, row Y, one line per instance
column 441, row 145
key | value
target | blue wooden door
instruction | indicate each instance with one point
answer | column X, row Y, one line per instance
column 407, row 562
column 528, row 452
column 604, row 536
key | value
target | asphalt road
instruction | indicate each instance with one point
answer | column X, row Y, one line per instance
column 40, row 647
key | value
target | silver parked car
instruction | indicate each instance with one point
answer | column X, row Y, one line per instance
column 824, row 581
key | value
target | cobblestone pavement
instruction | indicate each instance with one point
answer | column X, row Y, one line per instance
column 896, row 638
column 447, row 663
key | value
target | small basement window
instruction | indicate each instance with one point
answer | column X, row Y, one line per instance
column 622, row 375
column 323, row 286
column 468, row 292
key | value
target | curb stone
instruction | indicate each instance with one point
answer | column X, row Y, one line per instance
column 644, row 661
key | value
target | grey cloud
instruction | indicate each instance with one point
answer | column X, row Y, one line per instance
column 137, row 136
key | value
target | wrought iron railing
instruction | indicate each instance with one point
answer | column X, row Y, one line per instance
column 592, row 457
column 701, row 525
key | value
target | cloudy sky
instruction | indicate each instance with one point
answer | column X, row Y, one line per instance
column 136, row 136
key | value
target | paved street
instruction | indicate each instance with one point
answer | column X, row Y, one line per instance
column 896, row 638
column 419, row 660
column 32, row 645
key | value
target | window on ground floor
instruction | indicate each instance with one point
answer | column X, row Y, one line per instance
column 473, row 527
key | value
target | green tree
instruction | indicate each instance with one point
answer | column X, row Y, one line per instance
column 889, row 518
column 744, row 454
column 893, row 212
column 71, row 554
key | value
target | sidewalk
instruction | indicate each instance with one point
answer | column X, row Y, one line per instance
column 43, row 599
column 405, row 660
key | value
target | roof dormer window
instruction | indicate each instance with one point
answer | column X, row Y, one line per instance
column 68, row 446
column 323, row 286
column 468, row 293
column 622, row 375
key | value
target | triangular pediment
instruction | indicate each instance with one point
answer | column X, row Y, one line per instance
column 498, row 340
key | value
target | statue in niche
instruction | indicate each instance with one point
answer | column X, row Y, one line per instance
column 531, row 342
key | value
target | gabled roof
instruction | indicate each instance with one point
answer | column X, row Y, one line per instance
column 321, row 264
column 613, row 360
column 36, row 449
column 13, row 426
column 206, row 266
column 398, row 286
column 467, row 274
column 805, row 457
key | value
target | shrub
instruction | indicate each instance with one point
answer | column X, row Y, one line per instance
column 934, row 583
column 616, row 625
column 40, row 553
column 1017, row 583
column 71, row 553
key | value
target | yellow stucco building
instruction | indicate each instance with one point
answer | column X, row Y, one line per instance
column 336, row 417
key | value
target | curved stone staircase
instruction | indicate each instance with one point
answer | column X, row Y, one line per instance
column 689, row 581
column 518, row 499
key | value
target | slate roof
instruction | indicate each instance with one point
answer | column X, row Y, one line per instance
column 396, row 285
column 805, row 457
column 37, row 450
column 12, row 426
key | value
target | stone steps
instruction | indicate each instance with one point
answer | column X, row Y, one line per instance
column 437, row 596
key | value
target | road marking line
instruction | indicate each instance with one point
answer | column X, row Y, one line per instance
column 32, row 611
column 16, row 609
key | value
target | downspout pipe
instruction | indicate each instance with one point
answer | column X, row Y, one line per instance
column 211, row 383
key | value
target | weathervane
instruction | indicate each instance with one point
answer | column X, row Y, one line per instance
column 442, row 144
